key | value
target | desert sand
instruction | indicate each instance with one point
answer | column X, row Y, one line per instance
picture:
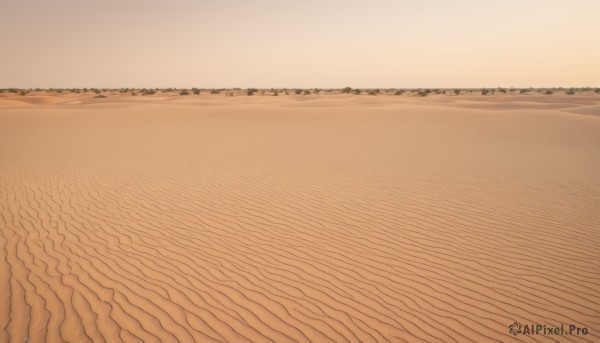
column 343, row 218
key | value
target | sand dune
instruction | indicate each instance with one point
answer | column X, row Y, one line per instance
column 269, row 219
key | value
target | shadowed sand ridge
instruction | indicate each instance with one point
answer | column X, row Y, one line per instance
column 268, row 219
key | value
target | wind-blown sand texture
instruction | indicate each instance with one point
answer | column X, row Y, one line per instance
column 298, row 218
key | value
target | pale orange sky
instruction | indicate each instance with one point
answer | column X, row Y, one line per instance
column 308, row 43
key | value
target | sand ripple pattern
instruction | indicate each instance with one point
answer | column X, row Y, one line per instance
column 267, row 247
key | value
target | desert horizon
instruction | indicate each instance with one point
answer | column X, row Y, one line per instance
column 315, row 171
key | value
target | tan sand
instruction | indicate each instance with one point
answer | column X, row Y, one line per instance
column 298, row 218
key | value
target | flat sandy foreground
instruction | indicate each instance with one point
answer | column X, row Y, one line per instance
column 298, row 218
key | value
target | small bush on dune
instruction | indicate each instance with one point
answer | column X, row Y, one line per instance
column 347, row 90
column 184, row 92
column 399, row 93
column 196, row 91
column 548, row 92
column 523, row 91
column 356, row 91
column 422, row 93
column 275, row 93
column 484, row 91
column 100, row 96
column 22, row 93
column 502, row 90
column 597, row 91
column 215, row 91
column 251, row 91
column 457, row 91
column 298, row 91
column 570, row 92
column 307, row 92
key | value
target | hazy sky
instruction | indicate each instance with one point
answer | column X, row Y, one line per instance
column 306, row 43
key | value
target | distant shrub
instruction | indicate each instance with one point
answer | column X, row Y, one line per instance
column 317, row 91
column 372, row 92
column 298, row 91
column 100, row 96
column 523, row 91
column 356, row 91
column 484, row 91
column 133, row 93
column 184, row 92
column 196, row 91
column 422, row 93
column 457, row 91
column 399, row 93
column 22, row 93
column 215, row 91
column 597, row 91
column 502, row 90
column 251, row 91
column 347, row 90
column 570, row 92
column 549, row 92
column 275, row 93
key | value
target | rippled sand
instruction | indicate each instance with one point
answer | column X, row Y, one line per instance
column 310, row 218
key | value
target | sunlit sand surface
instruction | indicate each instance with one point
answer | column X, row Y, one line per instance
column 298, row 218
